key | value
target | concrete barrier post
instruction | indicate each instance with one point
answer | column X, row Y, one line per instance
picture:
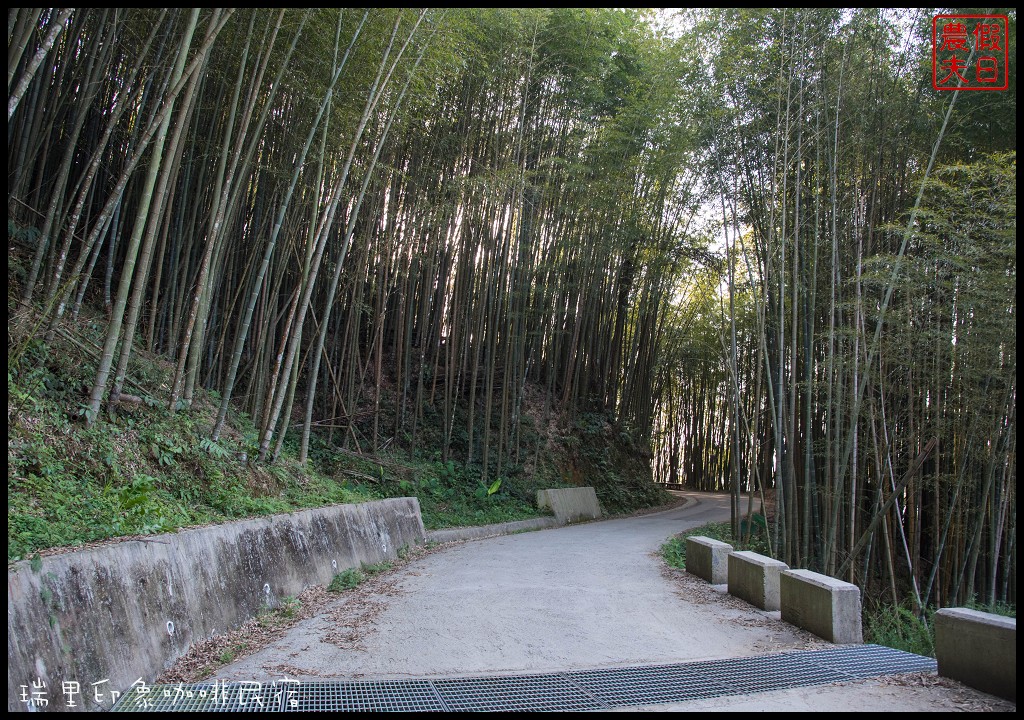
column 570, row 504
column 707, row 558
column 828, row 607
column 978, row 649
column 755, row 578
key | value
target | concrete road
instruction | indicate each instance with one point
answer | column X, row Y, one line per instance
column 595, row 595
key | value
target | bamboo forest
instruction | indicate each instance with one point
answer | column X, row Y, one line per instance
column 262, row 259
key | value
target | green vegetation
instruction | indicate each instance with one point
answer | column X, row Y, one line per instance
column 1004, row 609
column 231, row 653
column 673, row 551
column 899, row 627
column 282, row 615
column 285, row 255
column 354, row 577
column 484, row 331
column 347, row 580
column 451, row 496
column 141, row 471
column 853, row 353
column 145, row 470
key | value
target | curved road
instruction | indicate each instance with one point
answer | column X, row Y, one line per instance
column 595, row 595
column 582, row 596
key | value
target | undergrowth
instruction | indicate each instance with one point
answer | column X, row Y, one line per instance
column 141, row 469
column 138, row 471
column 898, row 626
column 452, row 495
column 673, row 551
column 592, row 450
column 354, row 577
column 280, row 616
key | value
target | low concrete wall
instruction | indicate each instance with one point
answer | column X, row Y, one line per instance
column 478, row 532
column 755, row 578
column 978, row 649
column 128, row 610
column 570, row 504
column 708, row 559
column 827, row 607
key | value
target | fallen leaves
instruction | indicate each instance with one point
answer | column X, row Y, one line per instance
column 351, row 614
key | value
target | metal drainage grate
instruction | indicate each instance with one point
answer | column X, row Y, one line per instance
column 583, row 690
column 753, row 674
column 621, row 687
column 516, row 693
column 370, row 696
column 865, row 661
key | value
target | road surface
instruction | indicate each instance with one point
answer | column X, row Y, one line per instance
column 588, row 596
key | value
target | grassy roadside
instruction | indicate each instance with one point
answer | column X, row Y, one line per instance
column 673, row 551
column 142, row 469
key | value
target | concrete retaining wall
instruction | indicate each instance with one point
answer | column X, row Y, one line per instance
column 707, row 558
column 478, row 532
column 128, row 610
column 570, row 504
column 828, row 607
column 755, row 578
column 978, row 649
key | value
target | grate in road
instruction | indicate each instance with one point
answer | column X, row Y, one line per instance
column 621, row 687
column 552, row 691
column 584, row 690
column 865, row 661
column 369, row 696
